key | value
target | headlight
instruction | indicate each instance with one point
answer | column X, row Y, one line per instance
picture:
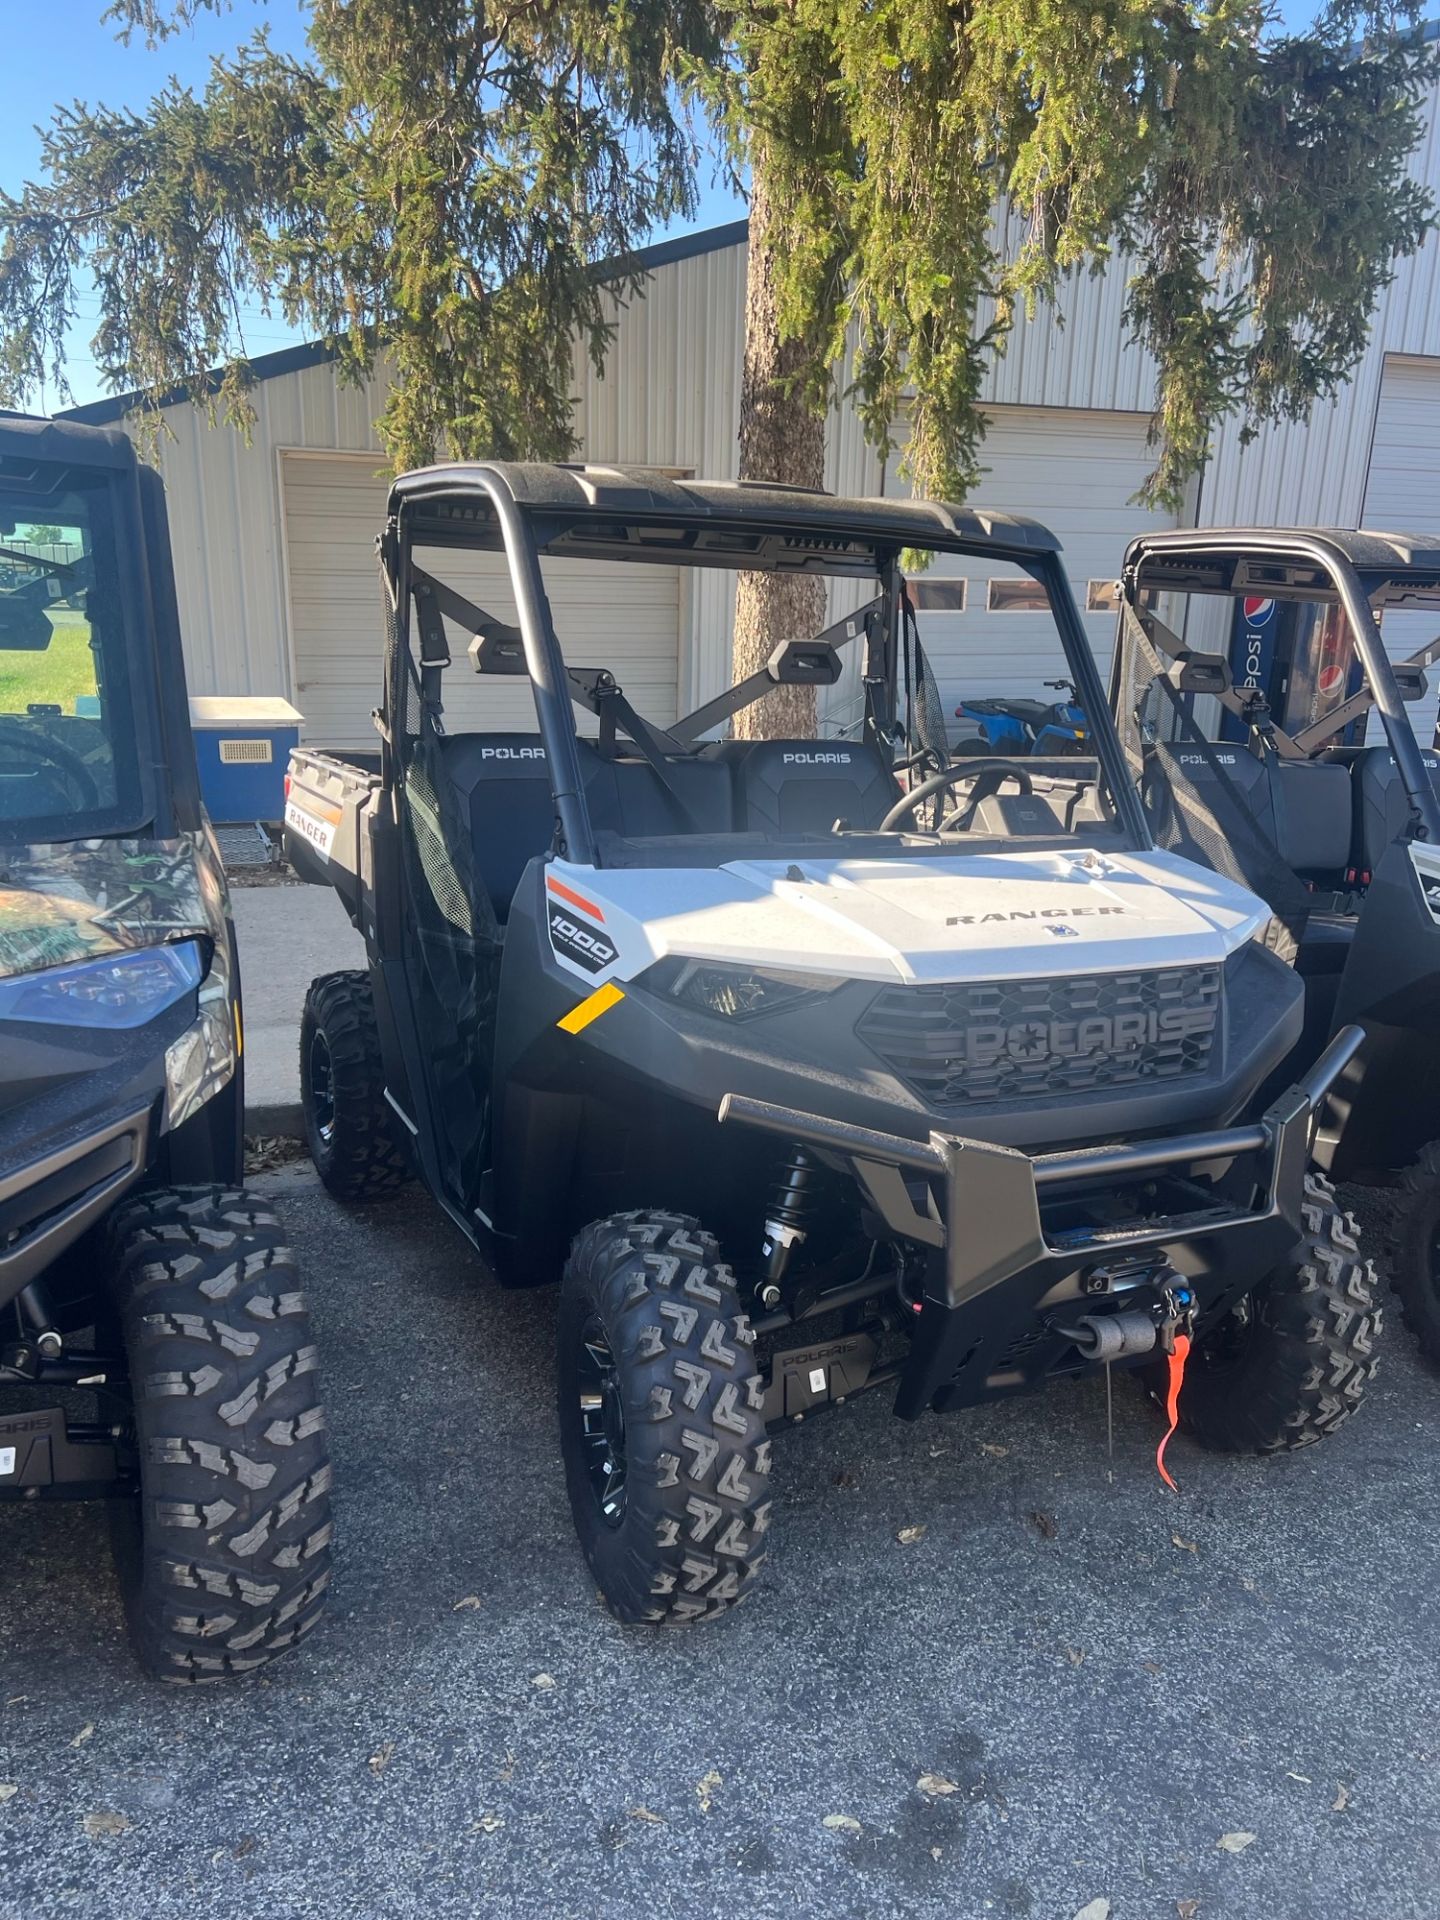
column 202, row 1060
column 733, row 992
column 121, row 990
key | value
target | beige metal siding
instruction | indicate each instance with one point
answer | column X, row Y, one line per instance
column 1075, row 354
column 225, row 518
column 670, row 396
column 1313, row 472
column 1402, row 495
column 333, row 508
column 1076, row 473
column 1403, row 491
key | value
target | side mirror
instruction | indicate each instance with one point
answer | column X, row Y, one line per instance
column 804, row 663
column 24, row 627
column 497, row 648
column 1200, row 673
column 1411, row 681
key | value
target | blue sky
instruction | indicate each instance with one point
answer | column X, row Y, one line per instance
column 57, row 51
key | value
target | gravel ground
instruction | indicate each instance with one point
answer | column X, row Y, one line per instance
column 1106, row 1678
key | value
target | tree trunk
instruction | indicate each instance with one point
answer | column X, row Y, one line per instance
column 780, row 439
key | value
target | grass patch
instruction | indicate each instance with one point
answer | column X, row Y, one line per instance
column 65, row 669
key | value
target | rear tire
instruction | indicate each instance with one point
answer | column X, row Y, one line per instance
column 1414, row 1249
column 350, row 1127
column 653, row 1336
column 1295, row 1364
column 233, row 1555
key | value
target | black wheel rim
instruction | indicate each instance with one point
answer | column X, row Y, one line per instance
column 602, row 1421
column 322, row 1087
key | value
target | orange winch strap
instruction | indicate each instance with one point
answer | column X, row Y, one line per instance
column 1172, row 1403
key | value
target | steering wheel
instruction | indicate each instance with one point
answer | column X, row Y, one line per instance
column 962, row 772
column 50, row 752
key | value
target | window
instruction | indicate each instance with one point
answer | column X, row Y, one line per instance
column 1102, row 596
column 938, row 596
column 69, row 757
column 1021, row 595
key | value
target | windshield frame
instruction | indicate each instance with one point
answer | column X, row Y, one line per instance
column 1354, row 570
column 524, row 530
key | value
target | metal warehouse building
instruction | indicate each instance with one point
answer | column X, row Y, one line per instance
column 274, row 539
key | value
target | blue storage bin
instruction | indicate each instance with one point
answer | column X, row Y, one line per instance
column 242, row 747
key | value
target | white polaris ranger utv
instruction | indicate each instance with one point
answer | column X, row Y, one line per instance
column 948, row 1078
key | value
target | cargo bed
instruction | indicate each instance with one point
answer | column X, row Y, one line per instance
column 329, row 796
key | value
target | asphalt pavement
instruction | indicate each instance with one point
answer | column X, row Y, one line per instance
column 1072, row 1693
column 287, row 934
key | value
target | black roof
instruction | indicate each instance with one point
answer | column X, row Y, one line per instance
column 1294, row 549
column 31, row 436
column 638, row 513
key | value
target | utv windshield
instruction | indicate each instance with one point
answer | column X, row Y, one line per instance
column 70, row 764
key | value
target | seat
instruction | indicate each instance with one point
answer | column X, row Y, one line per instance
column 1034, row 713
column 1301, row 807
column 1311, row 804
column 804, row 786
column 501, row 782
column 627, row 796
column 1381, row 806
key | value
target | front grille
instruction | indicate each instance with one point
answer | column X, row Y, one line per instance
column 997, row 1041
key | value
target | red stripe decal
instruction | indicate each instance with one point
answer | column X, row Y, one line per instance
column 575, row 899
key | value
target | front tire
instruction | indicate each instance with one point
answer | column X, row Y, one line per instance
column 233, row 1555
column 350, row 1127
column 1414, row 1249
column 1293, row 1362
column 666, row 1456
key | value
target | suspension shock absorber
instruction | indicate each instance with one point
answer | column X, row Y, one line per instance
column 791, row 1200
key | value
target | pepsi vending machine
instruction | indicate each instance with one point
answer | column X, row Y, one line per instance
column 1301, row 656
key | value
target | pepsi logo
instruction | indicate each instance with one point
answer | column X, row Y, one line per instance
column 1331, row 679
column 1257, row 611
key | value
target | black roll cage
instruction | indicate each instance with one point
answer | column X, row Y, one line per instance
column 1356, row 571
column 591, row 512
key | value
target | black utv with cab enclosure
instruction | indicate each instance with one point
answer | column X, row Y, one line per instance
column 154, row 1344
column 812, row 1079
column 1303, row 779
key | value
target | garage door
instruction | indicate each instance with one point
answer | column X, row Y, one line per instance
column 626, row 619
column 1076, row 472
column 1402, row 495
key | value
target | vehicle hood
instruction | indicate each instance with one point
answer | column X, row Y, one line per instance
column 1010, row 915
column 75, row 900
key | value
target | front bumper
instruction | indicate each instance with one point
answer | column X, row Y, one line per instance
column 1013, row 1242
column 46, row 1205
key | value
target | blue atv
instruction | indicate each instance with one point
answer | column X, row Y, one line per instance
column 1034, row 727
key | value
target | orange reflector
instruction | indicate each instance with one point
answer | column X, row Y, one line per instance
column 1172, row 1404
column 591, row 1008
